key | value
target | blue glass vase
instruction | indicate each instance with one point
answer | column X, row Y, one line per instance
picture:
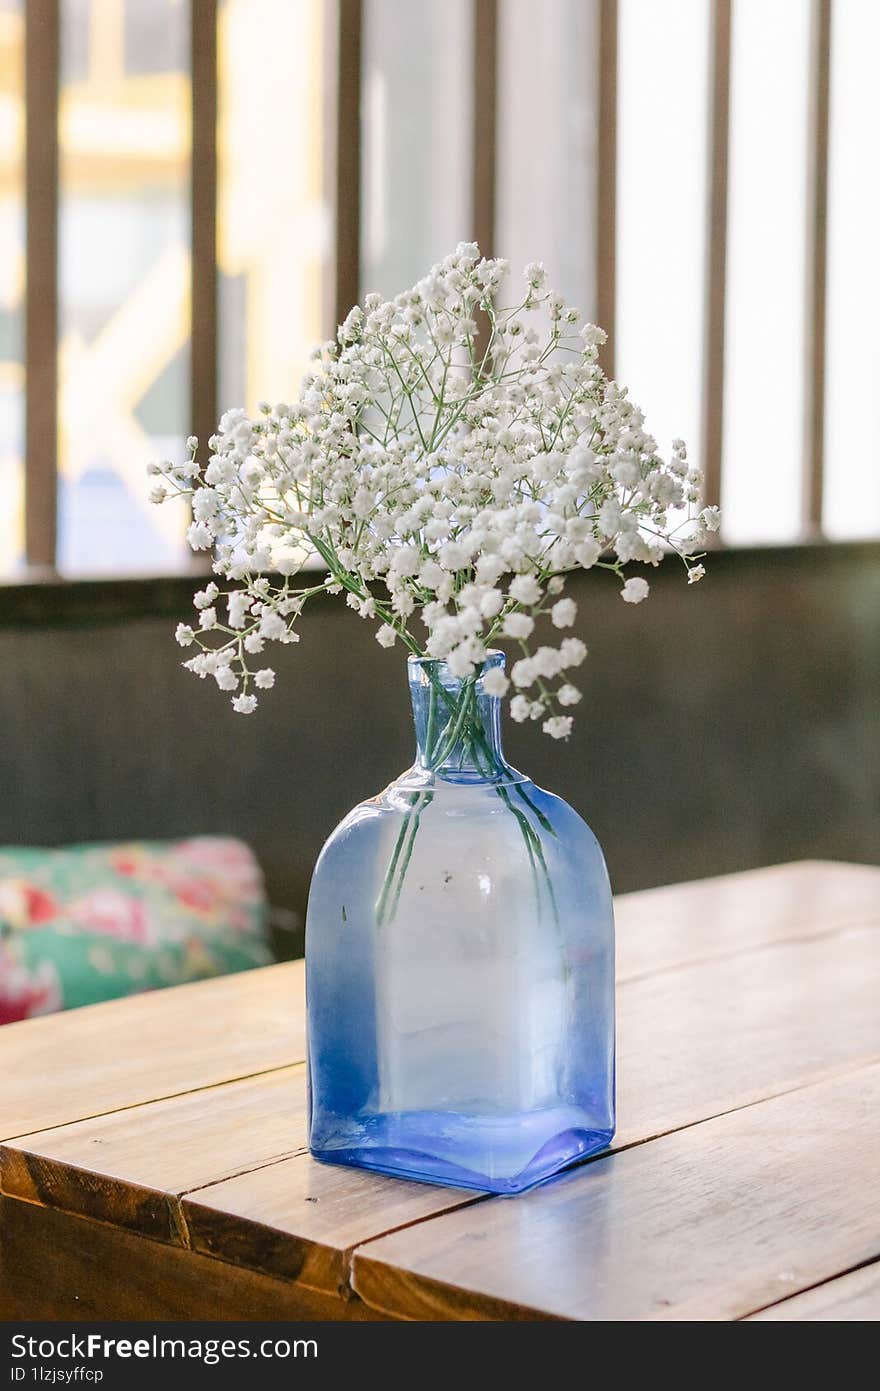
column 460, row 965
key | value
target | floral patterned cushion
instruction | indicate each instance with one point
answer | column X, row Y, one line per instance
column 90, row 922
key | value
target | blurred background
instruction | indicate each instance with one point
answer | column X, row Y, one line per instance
column 193, row 194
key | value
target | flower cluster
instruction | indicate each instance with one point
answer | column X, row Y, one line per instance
column 449, row 462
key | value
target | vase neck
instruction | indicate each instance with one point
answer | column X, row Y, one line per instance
column 458, row 725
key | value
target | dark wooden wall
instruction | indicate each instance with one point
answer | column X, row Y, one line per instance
column 724, row 726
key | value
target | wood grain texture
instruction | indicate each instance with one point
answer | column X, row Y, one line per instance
column 713, row 1222
column 129, row 1168
column 735, row 990
column 681, row 923
column 300, row 1220
column 851, row 1298
column 757, row 1023
column 54, row 1266
column 703, row 1039
column 90, row 1061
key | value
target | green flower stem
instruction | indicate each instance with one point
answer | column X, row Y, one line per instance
column 462, row 727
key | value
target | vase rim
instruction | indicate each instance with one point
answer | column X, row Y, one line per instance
column 494, row 657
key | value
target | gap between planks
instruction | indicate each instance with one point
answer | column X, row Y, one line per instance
column 857, row 923
column 175, row 1201
column 831, row 1075
column 808, row 1289
column 151, row 1101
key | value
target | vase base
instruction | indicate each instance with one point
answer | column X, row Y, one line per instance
column 488, row 1154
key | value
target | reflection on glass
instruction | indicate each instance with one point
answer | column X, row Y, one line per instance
column 416, row 127
column 662, row 124
column 124, row 316
column 852, row 435
column 763, row 387
column 273, row 230
column 546, row 143
column 11, row 284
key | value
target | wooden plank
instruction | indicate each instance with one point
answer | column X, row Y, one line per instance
column 54, row 1266
column 203, row 201
column 485, row 123
column 41, row 302
column 851, row 1298
column 129, row 1168
column 674, row 1002
column 710, row 1223
column 140, row 1049
column 714, row 306
column 90, row 1061
column 300, row 1220
column 606, row 182
column 750, row 1020
column 707, row 1038
column 816, row 265
column 347, row 156
column 680, row 923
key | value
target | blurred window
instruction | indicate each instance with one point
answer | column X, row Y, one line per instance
column 272, row 223
column 344, row 151
column 124, row 278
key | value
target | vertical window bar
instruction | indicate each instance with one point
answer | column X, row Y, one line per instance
column 348, row 157
column 716, row 248
column 816, row 265
column 41, row 304
column 606, row 181
column 203, row 193
column 485, row 121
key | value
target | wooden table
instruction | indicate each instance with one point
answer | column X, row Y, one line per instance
column 155, row 1164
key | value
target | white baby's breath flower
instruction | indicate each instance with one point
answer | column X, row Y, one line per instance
column 237, row 605
column 491, row 603
column 460, row 662
column 244, row 704
column 563, row 613
column 572, row 652
column 517, row 625
column 513, row 458
column 525, row 589
column 495, row 683
column 272, row 626
column 568, row 694
column 635, row 590
column 199, row 536
column 524, row 672
column 203, row 597
column 558, row 726
column 184, row 634
column 696, row 573
column 265, row 679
